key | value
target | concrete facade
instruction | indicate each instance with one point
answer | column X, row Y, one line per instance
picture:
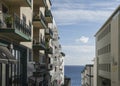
column 27, row 35
column 87, row 76
column 107, row 51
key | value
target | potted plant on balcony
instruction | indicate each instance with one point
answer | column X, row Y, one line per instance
column 8, row 21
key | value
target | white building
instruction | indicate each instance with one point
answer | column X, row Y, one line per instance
column 87, row 75
column 107, row 51
column 57, row 59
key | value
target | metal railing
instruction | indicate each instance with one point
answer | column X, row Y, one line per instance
column 49, row 31
column 40, row 41
column 48, row 13
column 39, row 16
column 21, row 26
column 15, row 23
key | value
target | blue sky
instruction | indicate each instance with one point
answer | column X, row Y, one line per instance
column 78, row 21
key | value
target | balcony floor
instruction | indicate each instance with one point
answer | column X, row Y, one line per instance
column 38, row 23
column 23, row 3
column 14, row 34
column 39, row 47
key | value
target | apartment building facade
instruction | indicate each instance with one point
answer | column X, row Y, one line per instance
column 57, row 59
column 107, row 51
column 87, row 76
column 26, row 46
column 15, row 30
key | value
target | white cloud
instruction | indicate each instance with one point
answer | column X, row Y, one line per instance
column 78, row 55
column 69, row 16
column 74, row 12
column 82, row 39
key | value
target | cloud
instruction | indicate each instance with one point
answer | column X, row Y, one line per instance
column 68, row 16
column 82, row 39
column 78, row 55
column 75, row 12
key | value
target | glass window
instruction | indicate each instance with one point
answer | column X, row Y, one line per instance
column 30, row 56
column 24, row 18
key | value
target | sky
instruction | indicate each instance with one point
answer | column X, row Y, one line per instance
column 77, row 22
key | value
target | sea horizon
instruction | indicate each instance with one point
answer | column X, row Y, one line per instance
column 74, row 72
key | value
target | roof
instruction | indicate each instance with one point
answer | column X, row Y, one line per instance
column 113, row 14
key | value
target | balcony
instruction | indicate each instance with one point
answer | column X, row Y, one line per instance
column 39, row 3
column 20, row 3
column 14, row 28
column 39, row 21
column 48, row 16
column 49, row 33
column 40, row 70
column 39, row 45
column 49, row 50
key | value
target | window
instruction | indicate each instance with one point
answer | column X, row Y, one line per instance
column 105, row 67
column 24, row 18
column 49, row 60
column 105, row 49
column 4, row 9
column 30, row 55
column 106, row 30
column 55, row 69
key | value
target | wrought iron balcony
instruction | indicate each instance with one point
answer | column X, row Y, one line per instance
column 39, row 21
column 14, row 28
column 49, row 33
column 20, row 3
column 48, row 16
column 39, row 45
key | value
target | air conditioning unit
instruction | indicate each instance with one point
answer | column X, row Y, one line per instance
column 50, row 66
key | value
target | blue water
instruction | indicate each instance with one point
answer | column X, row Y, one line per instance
column 74, row 72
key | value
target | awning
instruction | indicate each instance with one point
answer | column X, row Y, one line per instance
column 6, row 56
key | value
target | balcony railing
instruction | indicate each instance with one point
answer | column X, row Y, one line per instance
column 49, row 16
column 49, row 32
column 15, row 26
column 39, row 17
column 21, row 26
column 48, row 13
column 40, row 44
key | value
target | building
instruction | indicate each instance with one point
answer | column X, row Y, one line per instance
column 15, row 32
column 57, row 74
column 107, row 51
column 67, row 81
column 87, row 76
column 26, row 43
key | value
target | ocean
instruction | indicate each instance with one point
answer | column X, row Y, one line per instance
column 74, row 72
